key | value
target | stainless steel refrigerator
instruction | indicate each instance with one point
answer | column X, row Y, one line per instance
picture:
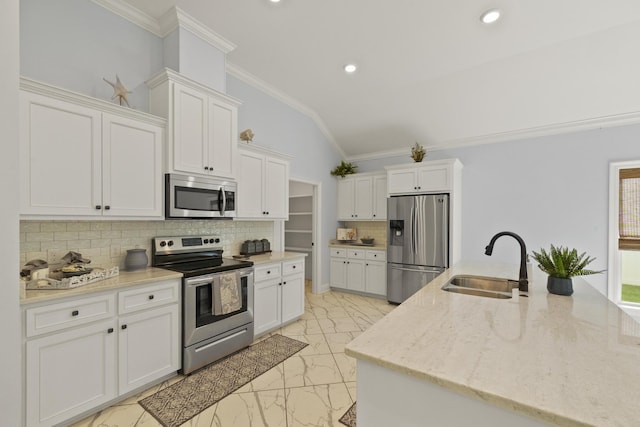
column 417, row 242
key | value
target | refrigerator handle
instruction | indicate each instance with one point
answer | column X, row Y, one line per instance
column 445, row 231
column 413, row 230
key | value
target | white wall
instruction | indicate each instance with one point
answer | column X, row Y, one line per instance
column 10, row 350
column 550, row 189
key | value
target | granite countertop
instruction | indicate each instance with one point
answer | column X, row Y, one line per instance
column 275, row 257
column 124, row 279
column 563, row 360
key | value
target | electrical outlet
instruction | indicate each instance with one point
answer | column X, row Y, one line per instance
column 115, row 251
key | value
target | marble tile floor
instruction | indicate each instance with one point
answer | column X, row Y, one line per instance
column 312, row 388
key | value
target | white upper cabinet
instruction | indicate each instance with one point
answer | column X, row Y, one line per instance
column 425, row 177
column 362, row 197
column 202, row 122
column 263, row 184
column 80, row 156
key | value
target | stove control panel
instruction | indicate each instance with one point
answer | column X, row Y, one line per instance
column 186, row 243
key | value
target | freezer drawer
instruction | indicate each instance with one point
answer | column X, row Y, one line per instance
column 405, row 280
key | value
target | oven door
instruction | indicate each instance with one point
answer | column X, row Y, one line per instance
column 202, row 315
column 199, row 197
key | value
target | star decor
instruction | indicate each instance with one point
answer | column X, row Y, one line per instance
column 119, row 91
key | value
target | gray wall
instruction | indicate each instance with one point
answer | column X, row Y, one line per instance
column 75, row 43
column 282, row 128
column 10, row 351
column 551, row 189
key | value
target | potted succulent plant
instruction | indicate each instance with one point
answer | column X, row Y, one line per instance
column 344, row 169
column 418, row 152
column 561, row 264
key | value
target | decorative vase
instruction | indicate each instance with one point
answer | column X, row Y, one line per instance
column 136, row 259
column 559, row 286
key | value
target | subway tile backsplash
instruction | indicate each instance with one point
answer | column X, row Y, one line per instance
column 105, row 243
column 375, row 229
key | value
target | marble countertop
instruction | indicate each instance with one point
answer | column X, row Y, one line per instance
column 124, row 279
column 275, row 257
column 376, row 246
column 569, row 361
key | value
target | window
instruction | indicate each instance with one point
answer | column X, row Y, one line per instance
column 624, row 239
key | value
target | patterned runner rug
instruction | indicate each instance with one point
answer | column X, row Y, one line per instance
column 349, row 417
column 185, row 399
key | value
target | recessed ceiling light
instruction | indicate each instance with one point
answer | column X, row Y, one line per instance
column 350, row 68
column 490, row 16
column 274, row 1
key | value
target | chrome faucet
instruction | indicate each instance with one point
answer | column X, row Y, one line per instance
column 523, row 282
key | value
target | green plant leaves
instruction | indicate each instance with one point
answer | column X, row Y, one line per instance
column 344, row 169
column 564, row 263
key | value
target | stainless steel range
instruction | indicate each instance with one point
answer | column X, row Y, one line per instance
column 217, row 297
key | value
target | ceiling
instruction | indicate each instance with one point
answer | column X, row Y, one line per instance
column 430, row 71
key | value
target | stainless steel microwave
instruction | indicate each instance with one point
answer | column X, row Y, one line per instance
column 199, row 197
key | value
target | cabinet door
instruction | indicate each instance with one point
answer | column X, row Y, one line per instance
column 222, row 143
column 276, row 181
column 69, row 373
column 250, row 185
column 363, row 198
column 355, row 275
column 402, row 181
column 149, row 344
column 132, row 168
column 376, row 278
column 60, row 158
column 190, row 130
column 434, row 178
column 380, row 197
column 338, row 273
column 292, row 297
column 345, row 199
column 266, row 305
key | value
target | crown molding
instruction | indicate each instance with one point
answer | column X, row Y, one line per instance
column 176, row 17
column 172, row 19
column 623, row 119
column 261, row 85
column 132, row 14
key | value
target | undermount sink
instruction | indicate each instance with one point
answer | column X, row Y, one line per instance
column 492, row 287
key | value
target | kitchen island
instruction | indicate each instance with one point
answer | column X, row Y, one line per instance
column 450, row 359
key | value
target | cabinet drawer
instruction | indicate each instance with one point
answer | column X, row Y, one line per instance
column 355, row 253
column 292, row 267
column 148, row 296
column 268, row 271
column 338, row 253
column 55, row 317
column 376, row 255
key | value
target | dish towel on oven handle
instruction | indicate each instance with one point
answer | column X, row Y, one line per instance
column 227, row 295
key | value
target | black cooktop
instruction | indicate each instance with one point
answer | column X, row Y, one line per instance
column 209, row 266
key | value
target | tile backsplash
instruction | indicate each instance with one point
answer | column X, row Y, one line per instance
column 375, row 229
column 105, row 243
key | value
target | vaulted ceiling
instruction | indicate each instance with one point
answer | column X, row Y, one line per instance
column 430, row 71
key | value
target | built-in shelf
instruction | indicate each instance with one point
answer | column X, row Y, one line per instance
column 299, row 196
column 299, row 229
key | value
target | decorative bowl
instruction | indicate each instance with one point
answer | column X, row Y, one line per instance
column 367, row 240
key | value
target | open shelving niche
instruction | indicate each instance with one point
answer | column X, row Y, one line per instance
column 298, row 230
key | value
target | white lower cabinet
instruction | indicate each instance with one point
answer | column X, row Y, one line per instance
column 278, row 294
column 359, row 270
column 70, row 372
column 81, row 354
